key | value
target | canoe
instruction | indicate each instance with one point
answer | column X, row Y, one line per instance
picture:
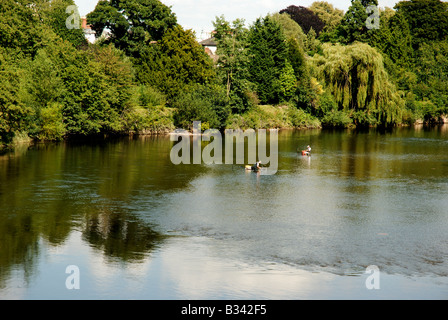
column 249, row 168
column 305, row 153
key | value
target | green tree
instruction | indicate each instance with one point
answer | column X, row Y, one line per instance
column 356, row 77
column 50, row 85
column 44, row 84
column 175, row 61
column 312, row 44
column 54, row 14
column 353, row 25
column 52, row 122
column 20, row 27
column 42, row 87
column 200, row 103
column 394, row 39
column 428, row 19
column 233, row 62
column 119, row 72
column 329, row 15
column 305, row 17
column 232, row 50
column 133, row 24
column 35, row 82
column 286, row 83
column 268, row 52
column 432, row 74
column 99, row 83
column 386, row 13
column 14, row 117
column 296, row 57
column 291, row 29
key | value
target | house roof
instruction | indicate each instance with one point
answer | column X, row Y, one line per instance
column 210, row 42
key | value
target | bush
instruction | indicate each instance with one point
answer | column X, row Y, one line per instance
column 300, row 119
column 426, row 111
column 337, row 119
column 201, row 103
column 150, row 97
column 325, row 104
column 268, row 117
column 242, row 97
column 52, row 127
column 157, row 119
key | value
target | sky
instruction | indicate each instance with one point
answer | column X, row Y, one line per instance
column 198, row 15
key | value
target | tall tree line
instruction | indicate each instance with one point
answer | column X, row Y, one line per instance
column 149, row 73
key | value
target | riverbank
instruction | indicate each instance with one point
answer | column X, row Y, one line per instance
column 160, row 121
column 258, row 117
column 273, row 117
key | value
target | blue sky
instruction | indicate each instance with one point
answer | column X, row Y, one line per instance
column 199, row 14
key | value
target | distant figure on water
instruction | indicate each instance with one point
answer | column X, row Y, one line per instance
column 256, row 166
column 306, row 152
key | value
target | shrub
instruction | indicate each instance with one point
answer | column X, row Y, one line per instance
column 150, row 97
column 157, row 119
column 201, row 103
column 53, row 127
column 268, row 117
column 337, row 119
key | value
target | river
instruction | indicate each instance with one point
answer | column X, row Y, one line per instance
column 117, row 219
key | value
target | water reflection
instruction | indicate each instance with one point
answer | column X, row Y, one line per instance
column 49, row 190
column 120, row 236
column 362, row 198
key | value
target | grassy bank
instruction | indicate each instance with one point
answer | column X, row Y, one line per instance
column 149, row 120
column 268, row 117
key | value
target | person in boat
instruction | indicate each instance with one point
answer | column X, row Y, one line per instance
column 308, row 149
column 256, row 166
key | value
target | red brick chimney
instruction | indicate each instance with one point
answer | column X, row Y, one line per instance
column 83, row 23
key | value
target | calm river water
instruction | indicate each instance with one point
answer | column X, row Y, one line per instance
column 136, row 226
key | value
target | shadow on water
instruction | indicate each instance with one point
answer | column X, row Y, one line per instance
column 49, row 190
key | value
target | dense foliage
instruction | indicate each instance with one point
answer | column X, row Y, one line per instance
column 357, row 80
column 306, row 18
column 133, row 24
column 145, row 73
column 409, row 48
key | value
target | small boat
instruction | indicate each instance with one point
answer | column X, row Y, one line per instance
column 252, row 168
column 305, row 153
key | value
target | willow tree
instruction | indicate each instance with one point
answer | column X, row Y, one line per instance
column 329, row 15
column 356, row 77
